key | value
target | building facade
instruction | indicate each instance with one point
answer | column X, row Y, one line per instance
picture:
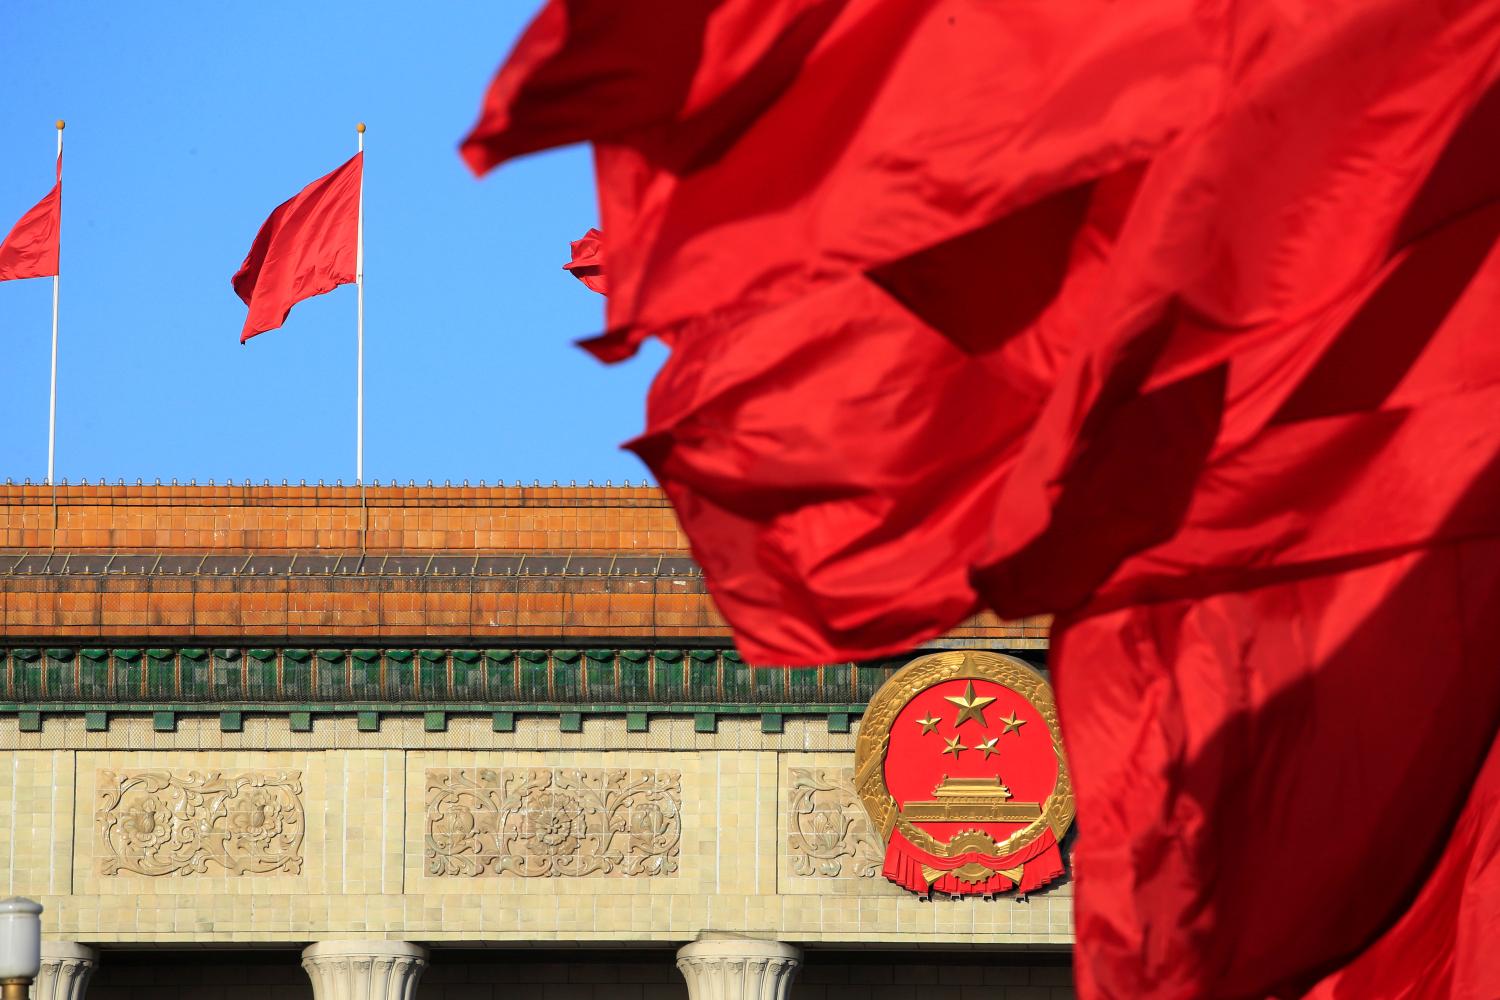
column 451, row 743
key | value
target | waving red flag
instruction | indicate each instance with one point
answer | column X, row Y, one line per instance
column 30, row 250
column 1178, row 324
column 587, row 264
column 307, row 247
column 750, row 192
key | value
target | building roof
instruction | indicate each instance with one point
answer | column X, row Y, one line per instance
column 471, row 565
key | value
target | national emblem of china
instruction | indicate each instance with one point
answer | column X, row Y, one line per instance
column 960, row 765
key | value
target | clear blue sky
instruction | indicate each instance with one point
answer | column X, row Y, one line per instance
column 187, row 124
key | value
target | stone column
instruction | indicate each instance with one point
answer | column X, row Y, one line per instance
column 66, row 968
column 731, row 967
column 364, row 970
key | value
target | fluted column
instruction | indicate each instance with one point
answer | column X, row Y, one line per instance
column 66, row 968
column 364, row 970
column 730, row 967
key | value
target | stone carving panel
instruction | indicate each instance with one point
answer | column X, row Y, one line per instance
column 552, row 821
column 160, row 822
column 828, row 832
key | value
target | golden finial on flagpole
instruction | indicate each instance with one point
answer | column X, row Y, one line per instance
column 61, row 124
column 358, row 128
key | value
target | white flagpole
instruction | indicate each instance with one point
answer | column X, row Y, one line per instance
column 359, row 287
column 56, row 278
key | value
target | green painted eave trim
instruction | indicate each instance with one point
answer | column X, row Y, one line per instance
column 455, row 708
column 281, row 677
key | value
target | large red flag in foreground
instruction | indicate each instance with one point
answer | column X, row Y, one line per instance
column 308, row 246
column 30, row 250
column 1173, row 317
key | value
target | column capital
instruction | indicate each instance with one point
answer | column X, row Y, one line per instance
column 733, row 967
column 364, row 970
column 66, row 969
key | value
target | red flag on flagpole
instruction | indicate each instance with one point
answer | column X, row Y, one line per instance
column 1174, row 318
column 308, row 246
column 31, row 248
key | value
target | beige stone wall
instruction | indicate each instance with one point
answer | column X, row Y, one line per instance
column 610, row 840
column 36, row 823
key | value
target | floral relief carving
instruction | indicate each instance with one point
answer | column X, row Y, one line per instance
column 552, row 821
column 159, row 822
column 828, row 831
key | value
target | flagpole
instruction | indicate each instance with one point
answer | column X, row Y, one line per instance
column 56, row 278
column 359, row 287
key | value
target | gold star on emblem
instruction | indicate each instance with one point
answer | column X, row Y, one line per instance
column 970, row 707
column 954, row 747
column 928, row 724
column 1012, row 724
column 988, row 747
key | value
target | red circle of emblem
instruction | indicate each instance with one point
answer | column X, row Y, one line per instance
column 959, row 763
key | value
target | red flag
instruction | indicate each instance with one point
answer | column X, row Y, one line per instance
column 587, row 264
column 755, row 265
column 307, row 247
column 1267, row 778
column 1442, row 943
column 31, row 248
column 1179, row 323
column 720, row 244
column 1267, row 471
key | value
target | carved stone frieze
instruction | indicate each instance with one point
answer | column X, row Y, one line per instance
column 552, row 821
column 828, row 831
column 160, row 822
